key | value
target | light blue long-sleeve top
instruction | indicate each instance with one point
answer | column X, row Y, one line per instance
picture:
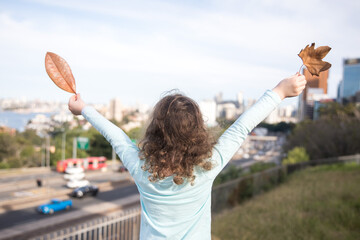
column 171, row 211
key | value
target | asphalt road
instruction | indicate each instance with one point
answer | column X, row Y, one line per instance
column 29, row 215
column 54, row 180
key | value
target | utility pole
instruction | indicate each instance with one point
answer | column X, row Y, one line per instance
column 63, row 144
column 48, row 150
column 43, row 153
column 47, row 160
column 74, row 148
column 113, row 159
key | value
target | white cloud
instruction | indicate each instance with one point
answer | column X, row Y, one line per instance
column 157, row 46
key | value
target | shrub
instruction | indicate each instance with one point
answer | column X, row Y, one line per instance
column 231, row 173
column 335, row 133
column 261, row 166
column 4, row 165
column 296, row 155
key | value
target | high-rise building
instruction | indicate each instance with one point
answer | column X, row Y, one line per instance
column 240, row 101
column 282, row 114
column 218, row 97
column 240, row 98
column 316, row 88
column 208, row 110
column 249, row 103
column 115, row 110
column 351, row 77
column 227, row 110
column 316, row 81
column 340, row 90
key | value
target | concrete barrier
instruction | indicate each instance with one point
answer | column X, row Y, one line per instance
column 4, row 173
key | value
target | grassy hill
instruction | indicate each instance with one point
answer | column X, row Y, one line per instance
column 317, row 203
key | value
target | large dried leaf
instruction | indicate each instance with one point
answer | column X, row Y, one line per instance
column 312, row 58
column 59, row 72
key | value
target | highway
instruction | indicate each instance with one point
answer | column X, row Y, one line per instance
column 19, row 217
column 26, row 184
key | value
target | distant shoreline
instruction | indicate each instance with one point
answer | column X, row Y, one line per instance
column 18, row 120
column 25, row 111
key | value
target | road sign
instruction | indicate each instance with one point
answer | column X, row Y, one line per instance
column 83, row 143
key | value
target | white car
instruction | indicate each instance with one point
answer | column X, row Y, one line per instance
column 74, row 170
column 76, row 176
column 77, row 183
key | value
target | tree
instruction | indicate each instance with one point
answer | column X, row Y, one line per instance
column 332, row 109
column 296, row 155
column 135, row 133
column 8, row 149
column 7, row 146
column 29, row 156
column 335, row 133
column 31, row 137
column 99, row 146
column 19, row 150
column 230, row 173
column 224, row 123
column 278, row 127
column 56, row 140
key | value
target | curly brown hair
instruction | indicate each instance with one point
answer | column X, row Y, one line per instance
column 176, row 140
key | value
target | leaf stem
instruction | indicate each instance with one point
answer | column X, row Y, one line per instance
column 300, row 68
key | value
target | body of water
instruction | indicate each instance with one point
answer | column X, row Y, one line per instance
column 17, row 120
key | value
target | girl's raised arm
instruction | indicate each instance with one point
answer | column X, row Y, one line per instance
column 113, row 134
column 231, row 140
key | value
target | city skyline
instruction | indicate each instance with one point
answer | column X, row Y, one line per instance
column 137, row 51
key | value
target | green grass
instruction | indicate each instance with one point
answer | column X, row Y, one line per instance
column 317, row 203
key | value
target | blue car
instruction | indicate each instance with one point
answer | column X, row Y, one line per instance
column 54, row 206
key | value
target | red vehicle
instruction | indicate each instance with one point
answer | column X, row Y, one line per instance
column 90, row 163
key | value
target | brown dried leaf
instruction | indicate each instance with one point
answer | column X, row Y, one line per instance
column 312, row 58
column 59, row 72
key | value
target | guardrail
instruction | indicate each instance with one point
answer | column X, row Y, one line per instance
column 123, row 225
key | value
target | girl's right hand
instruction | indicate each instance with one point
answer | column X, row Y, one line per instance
column 76, row 104
column 291, row 86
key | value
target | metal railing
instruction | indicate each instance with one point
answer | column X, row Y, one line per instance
column 124, row 225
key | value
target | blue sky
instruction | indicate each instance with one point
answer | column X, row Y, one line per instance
column 137, row 50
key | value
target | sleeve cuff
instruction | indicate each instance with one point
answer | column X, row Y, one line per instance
column 86, row 110
column 274, row 96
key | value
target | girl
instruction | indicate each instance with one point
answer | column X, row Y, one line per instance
column 177, row 161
